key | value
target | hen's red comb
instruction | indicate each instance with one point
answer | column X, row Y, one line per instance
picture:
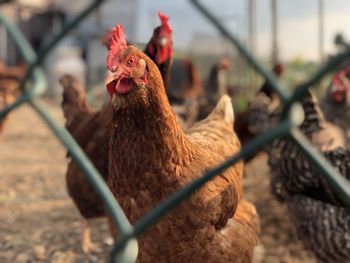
column 164, row 21
column 117, row 45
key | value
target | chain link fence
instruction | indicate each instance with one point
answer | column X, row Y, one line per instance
column 125, row 250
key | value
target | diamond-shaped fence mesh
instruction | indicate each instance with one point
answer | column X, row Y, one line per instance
column 125, row 249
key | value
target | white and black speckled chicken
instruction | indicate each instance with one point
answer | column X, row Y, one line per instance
column 323, row 228
column 321, row 221
column 298, row 175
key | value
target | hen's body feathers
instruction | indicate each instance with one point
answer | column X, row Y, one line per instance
column 151, row 157
column 323, row 227
column 91, row 130
column 321, row 221
column 299, row 176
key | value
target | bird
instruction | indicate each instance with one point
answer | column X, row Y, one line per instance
column 185, row 89
column 159, row 48
column 180, row 75
column 9, row 86
column 261, row 113
column 215, row 86
column 256, row 119
column 151, row 157
column 278, row 69
column 323, row 227
column 336, row 103
column 298, row 175
column 252, row 121
column 91, row 130
column 320, row 218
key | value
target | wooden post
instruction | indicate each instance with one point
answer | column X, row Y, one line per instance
column 321, row 30
column 252, row 25
column 274, row 39
column 252, row 40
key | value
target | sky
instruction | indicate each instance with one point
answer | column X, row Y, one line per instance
column 298, row 23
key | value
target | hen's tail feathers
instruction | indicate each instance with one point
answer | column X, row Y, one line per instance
column 74, row 102
column 224, row 109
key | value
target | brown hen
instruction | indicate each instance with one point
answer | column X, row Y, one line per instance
column 91, row 130
column 150, row 157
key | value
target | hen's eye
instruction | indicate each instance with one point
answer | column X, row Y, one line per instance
column 131, row 61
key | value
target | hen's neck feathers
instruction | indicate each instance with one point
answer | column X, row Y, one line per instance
column 313, row 115
column 149, row 126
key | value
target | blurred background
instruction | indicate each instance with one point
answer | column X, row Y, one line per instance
column 299, row 34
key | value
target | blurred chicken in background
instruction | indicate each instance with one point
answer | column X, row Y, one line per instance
column 312, row 205
column 278, row 70
column 216, row 85
column 185, row 88
column 336, row 104
column 320, row 217
column 256, row 119
column 9, row 86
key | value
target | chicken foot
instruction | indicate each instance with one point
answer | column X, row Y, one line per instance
column 86, row 243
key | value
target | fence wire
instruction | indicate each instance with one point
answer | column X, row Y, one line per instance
column 126, row 248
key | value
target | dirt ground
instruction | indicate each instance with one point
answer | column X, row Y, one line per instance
column 38, row 222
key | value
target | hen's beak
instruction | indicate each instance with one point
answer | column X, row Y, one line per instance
column 111, row 76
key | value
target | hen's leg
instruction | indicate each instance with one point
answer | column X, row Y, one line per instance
column 87, row 245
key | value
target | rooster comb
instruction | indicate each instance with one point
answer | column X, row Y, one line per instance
column 117, row 45
column 164, row 19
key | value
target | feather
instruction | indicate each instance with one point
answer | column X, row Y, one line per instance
column 151, row 157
